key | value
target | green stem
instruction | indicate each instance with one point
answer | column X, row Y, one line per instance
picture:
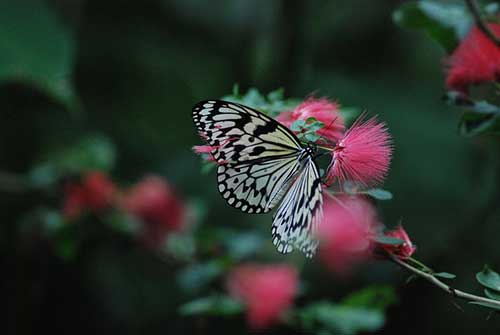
column 448, row 289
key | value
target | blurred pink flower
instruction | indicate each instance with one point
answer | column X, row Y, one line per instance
column 362, row 155
column 475, row 60
column 266, row 291
column 205, row 149
column 403, row 251
column 323, row 110
column 95, row 192
column 349, row 222
column 154, row 201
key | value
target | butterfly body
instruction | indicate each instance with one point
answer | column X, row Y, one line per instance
column 261, row 163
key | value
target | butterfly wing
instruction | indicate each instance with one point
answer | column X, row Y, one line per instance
column 296, row 220
column 260, row 162
column 241, row 134
column 258, row 157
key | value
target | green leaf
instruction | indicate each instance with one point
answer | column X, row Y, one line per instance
column 485, row 304
column 379, row 194
column 311, row 119
column 90, row 153
column 489, row 278
column 492, row 294
column 316, row 125
column 445, row 23
column 195, row 277
column 36, row 49
column 378, row 297
column 272, row 104
column 389, row 240
column 241, row 245
column 444, row 275
column 297, row 125
column 324, row 316
column 216, row 305
column 312, row 137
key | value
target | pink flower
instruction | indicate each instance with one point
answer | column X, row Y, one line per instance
column 362, row 155
column 323, row 110
column 95, row 192
column 266, row 291
column 403, row 251
column 475, row 60
column 345, row 233
column 154, row 201
column 205, row 149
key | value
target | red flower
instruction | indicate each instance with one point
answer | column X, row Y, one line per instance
column 403, row 251
column 95, row 192
column 266, row 290
column 475, row 60
column 345, row 232
column 154, row 201
column 323, row 110
column 362, row 155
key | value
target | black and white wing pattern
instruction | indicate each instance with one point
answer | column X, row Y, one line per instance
column 297, row 218
column 259, row 162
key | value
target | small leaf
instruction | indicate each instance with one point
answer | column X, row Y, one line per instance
column 447, row 24
column 485, row 304
column 37, row 49
column 297, row 125
column 212, row 305
column 88, row 154
column 379, row 194
column 445, row 275
column 376, row 296
column 338, row 319
column 489, row 279
column 195, row 277
column 311, row 119
column 312, row 137
column 389, row 240
column 317, row 125
column 492, row 294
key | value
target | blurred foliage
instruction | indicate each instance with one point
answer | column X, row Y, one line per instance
column 109, row 85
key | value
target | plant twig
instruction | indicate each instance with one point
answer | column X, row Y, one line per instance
column 448, row 289
column 483, row 26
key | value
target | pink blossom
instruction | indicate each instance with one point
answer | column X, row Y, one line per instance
column 362, row 155
column 345, row 233
column 95, row 192
column 205, row 149
column 403, row 251
column 323, row 110
column 154, row 201
column 475, row 60
column 266, row 291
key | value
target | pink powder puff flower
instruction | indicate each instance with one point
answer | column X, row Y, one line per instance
column 402, row 251
column 154, row 201
column 475, row 60
column 205, row 149
column 95, row 192
column 266, row 291
column 362, row 155
column 349, row 223
column 323, row 110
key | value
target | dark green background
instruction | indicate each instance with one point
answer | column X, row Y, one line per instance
column 137, row 67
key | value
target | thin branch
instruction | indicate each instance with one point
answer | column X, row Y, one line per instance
column 481, row 24
column 448, row 289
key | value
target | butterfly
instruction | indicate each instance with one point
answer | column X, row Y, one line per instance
column 262, row 163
